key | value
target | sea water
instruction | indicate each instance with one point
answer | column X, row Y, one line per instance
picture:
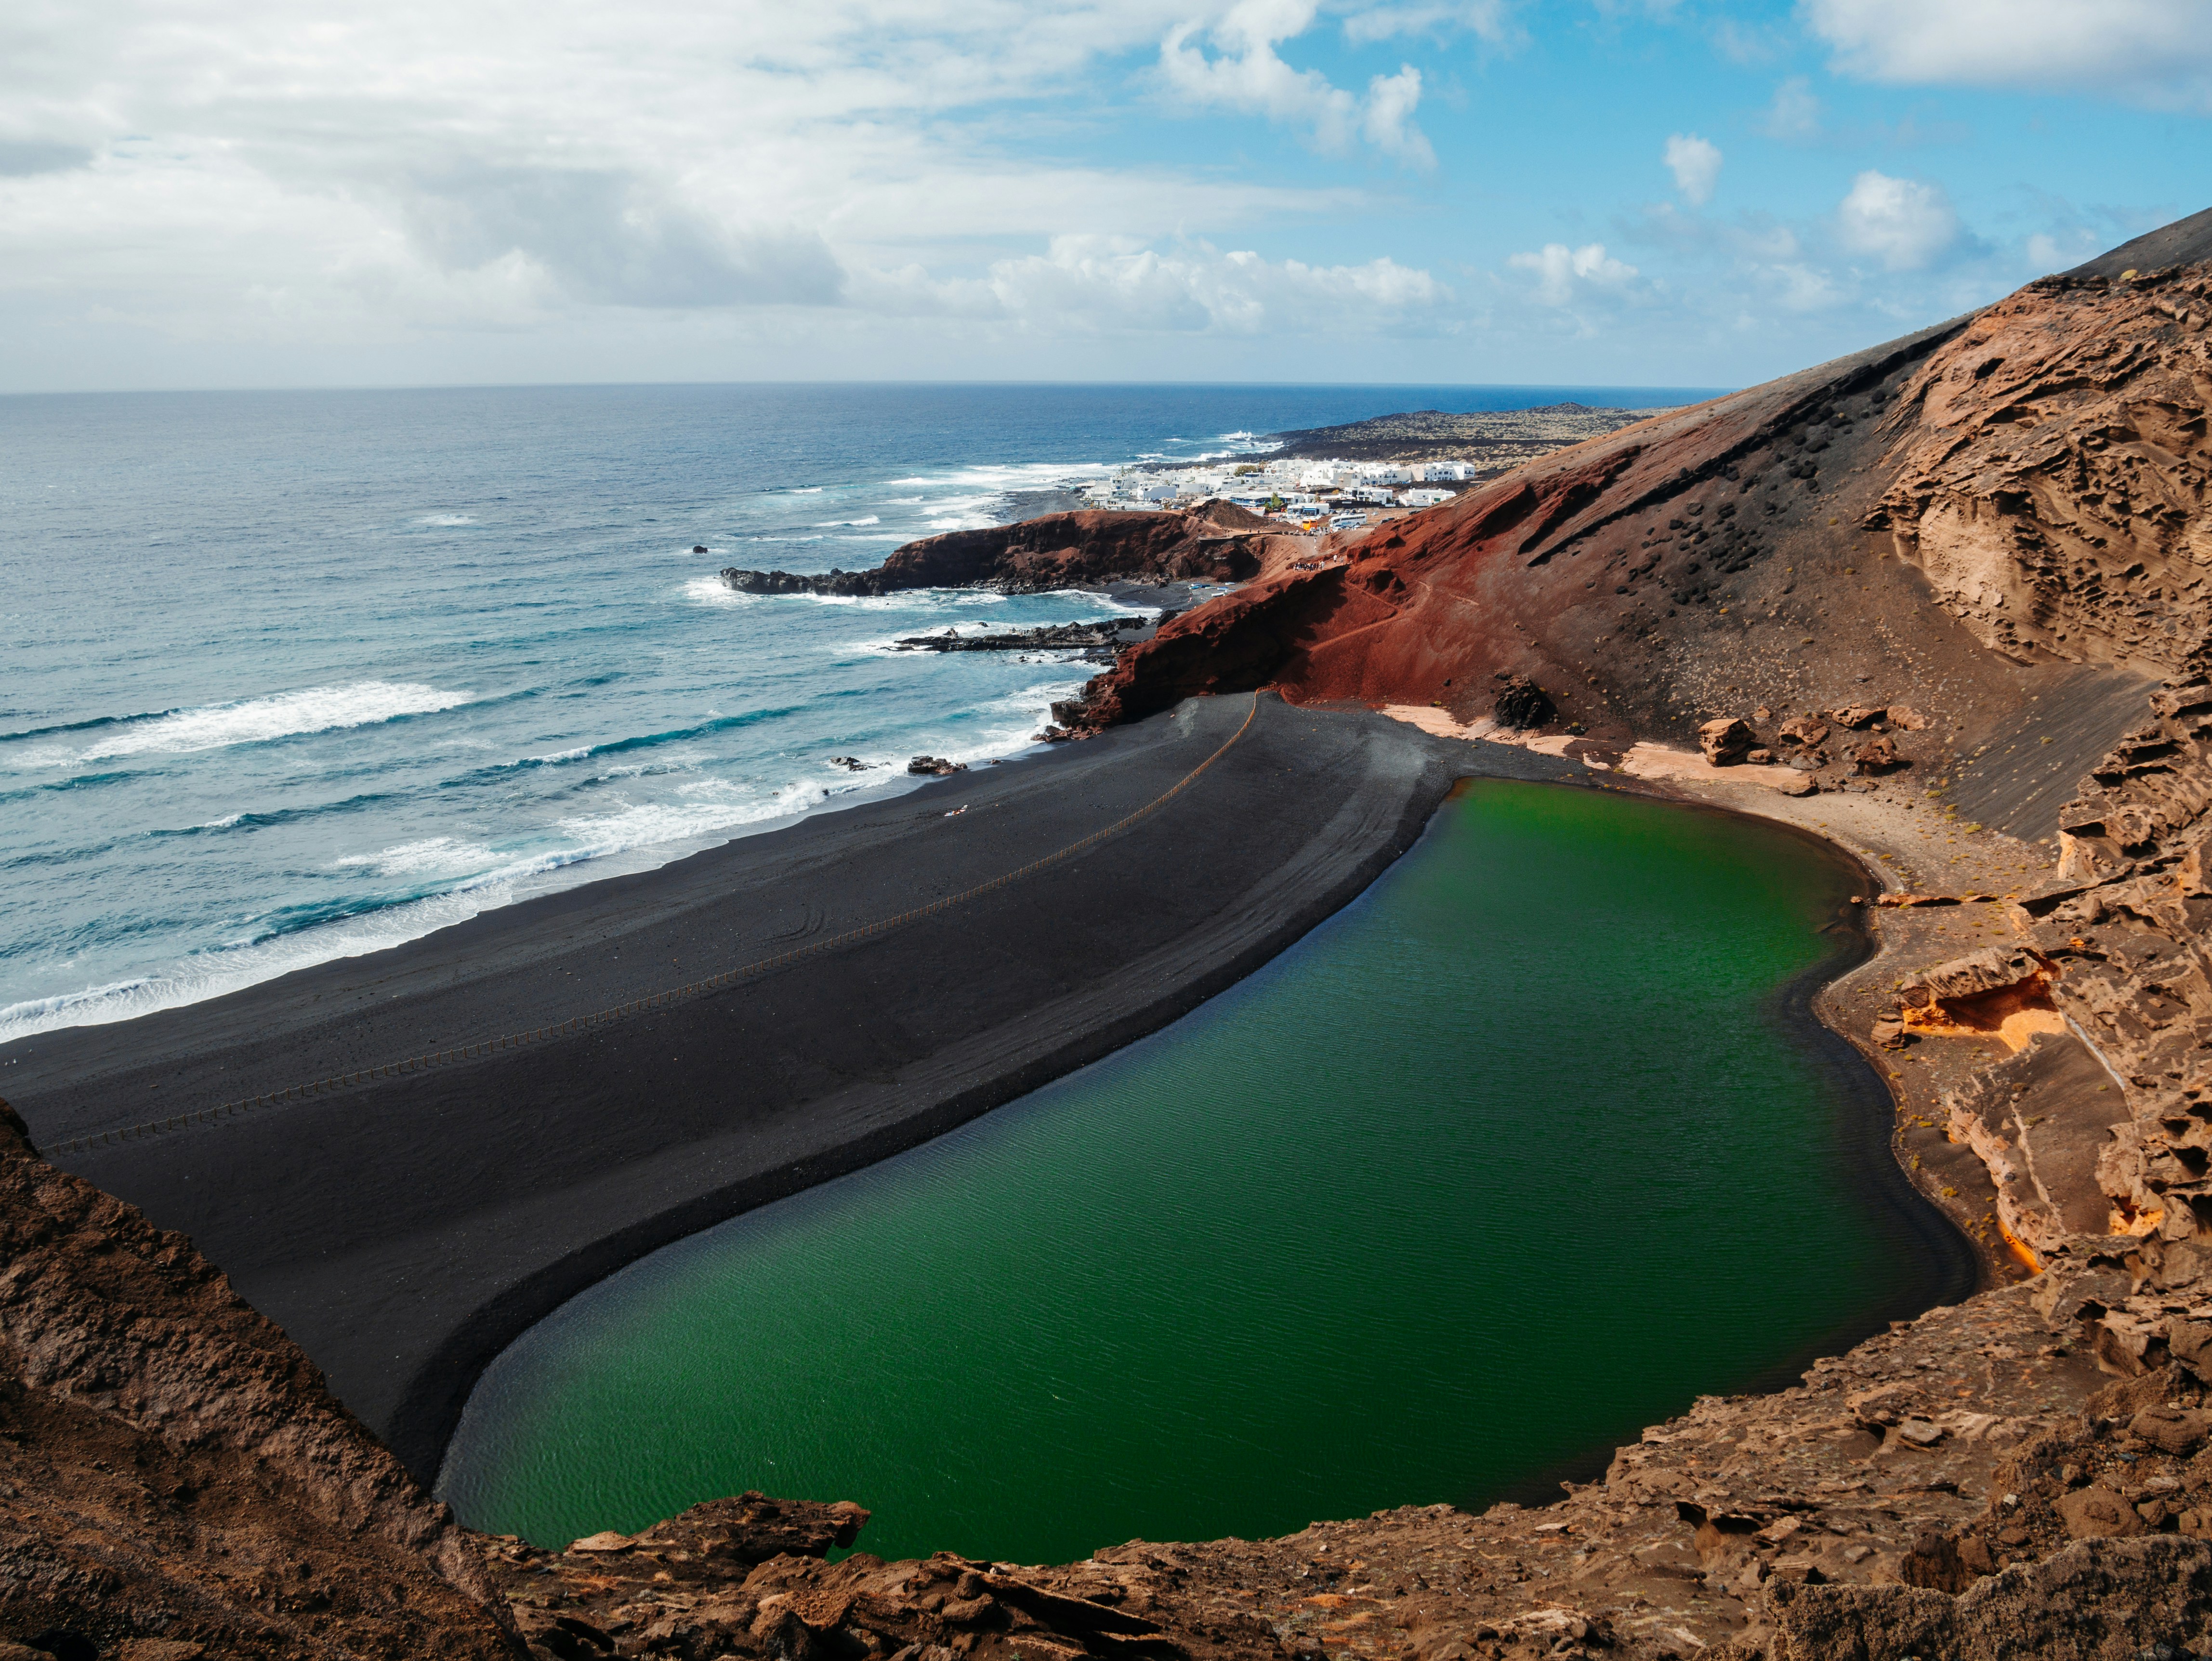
column 296, row 676
column 1522, row 1151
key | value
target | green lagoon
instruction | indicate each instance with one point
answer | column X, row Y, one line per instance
column 1522, row 1151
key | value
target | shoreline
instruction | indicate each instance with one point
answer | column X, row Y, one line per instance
column 418, row 1412
column 405, row 1230
column 1865, row 1143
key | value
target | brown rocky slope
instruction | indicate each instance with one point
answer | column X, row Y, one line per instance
column 173, row 1472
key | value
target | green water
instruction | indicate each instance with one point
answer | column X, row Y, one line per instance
column 1520, row 1152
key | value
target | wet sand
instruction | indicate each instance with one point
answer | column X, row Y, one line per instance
column 404, row 1230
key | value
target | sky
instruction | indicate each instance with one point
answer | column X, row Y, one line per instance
column 237, row 193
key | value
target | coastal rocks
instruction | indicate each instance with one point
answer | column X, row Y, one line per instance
column 1522, row 703
column 1726, row 741
column 1058, row 550
column 1097, row 640
column 172, row 1467
column 935, row 767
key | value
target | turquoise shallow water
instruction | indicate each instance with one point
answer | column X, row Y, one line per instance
column 1522, row 1151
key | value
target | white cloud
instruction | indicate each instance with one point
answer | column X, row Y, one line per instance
column 367, row 175
column 1387, row 122
column 1696, row 164
column 2155, row 51
column 1488, row 21
column 1562, row 272
column 1904, row 222
column 1246, row 74
column 1105, row 284
column 1794, row 115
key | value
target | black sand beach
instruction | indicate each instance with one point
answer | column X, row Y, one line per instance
column 404, row 1230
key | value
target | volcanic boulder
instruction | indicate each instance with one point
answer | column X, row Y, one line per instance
column 1522, row 703
column 1877, row 755
column 1726, row 741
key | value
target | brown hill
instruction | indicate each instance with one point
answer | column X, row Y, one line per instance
column 1949, row 518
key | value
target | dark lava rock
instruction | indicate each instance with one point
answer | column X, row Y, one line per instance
column 936, row 765
column 1100, row 637
column 1521, row 702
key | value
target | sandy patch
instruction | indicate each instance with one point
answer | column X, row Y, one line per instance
column 1642, row 760
column 1439, row 724
column 1656, row 760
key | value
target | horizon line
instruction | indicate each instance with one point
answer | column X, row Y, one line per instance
column 592, row 386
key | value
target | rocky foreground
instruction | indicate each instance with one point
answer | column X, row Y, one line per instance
column 175, row 1483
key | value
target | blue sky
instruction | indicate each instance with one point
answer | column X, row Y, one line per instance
column 207, row 192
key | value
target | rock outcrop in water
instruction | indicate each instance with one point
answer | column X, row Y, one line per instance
column 1085, row 548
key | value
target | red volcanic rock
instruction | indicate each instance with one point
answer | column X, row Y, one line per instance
column 1060, row 551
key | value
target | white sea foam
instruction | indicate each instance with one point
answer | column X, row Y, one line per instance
column 713, row 591
column 433, row 856
column 834, row 524
column 447, row 519
column 256, row 720
column 211, row 973
column 701, row 809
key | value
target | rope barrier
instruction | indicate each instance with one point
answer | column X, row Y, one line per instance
column 713, row 983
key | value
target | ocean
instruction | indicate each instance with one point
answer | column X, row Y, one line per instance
column 296, row 676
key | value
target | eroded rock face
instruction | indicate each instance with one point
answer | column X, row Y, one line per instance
column 2051, row 467
column 1726, row 741
column 2036, row 471
column 173, row 1470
